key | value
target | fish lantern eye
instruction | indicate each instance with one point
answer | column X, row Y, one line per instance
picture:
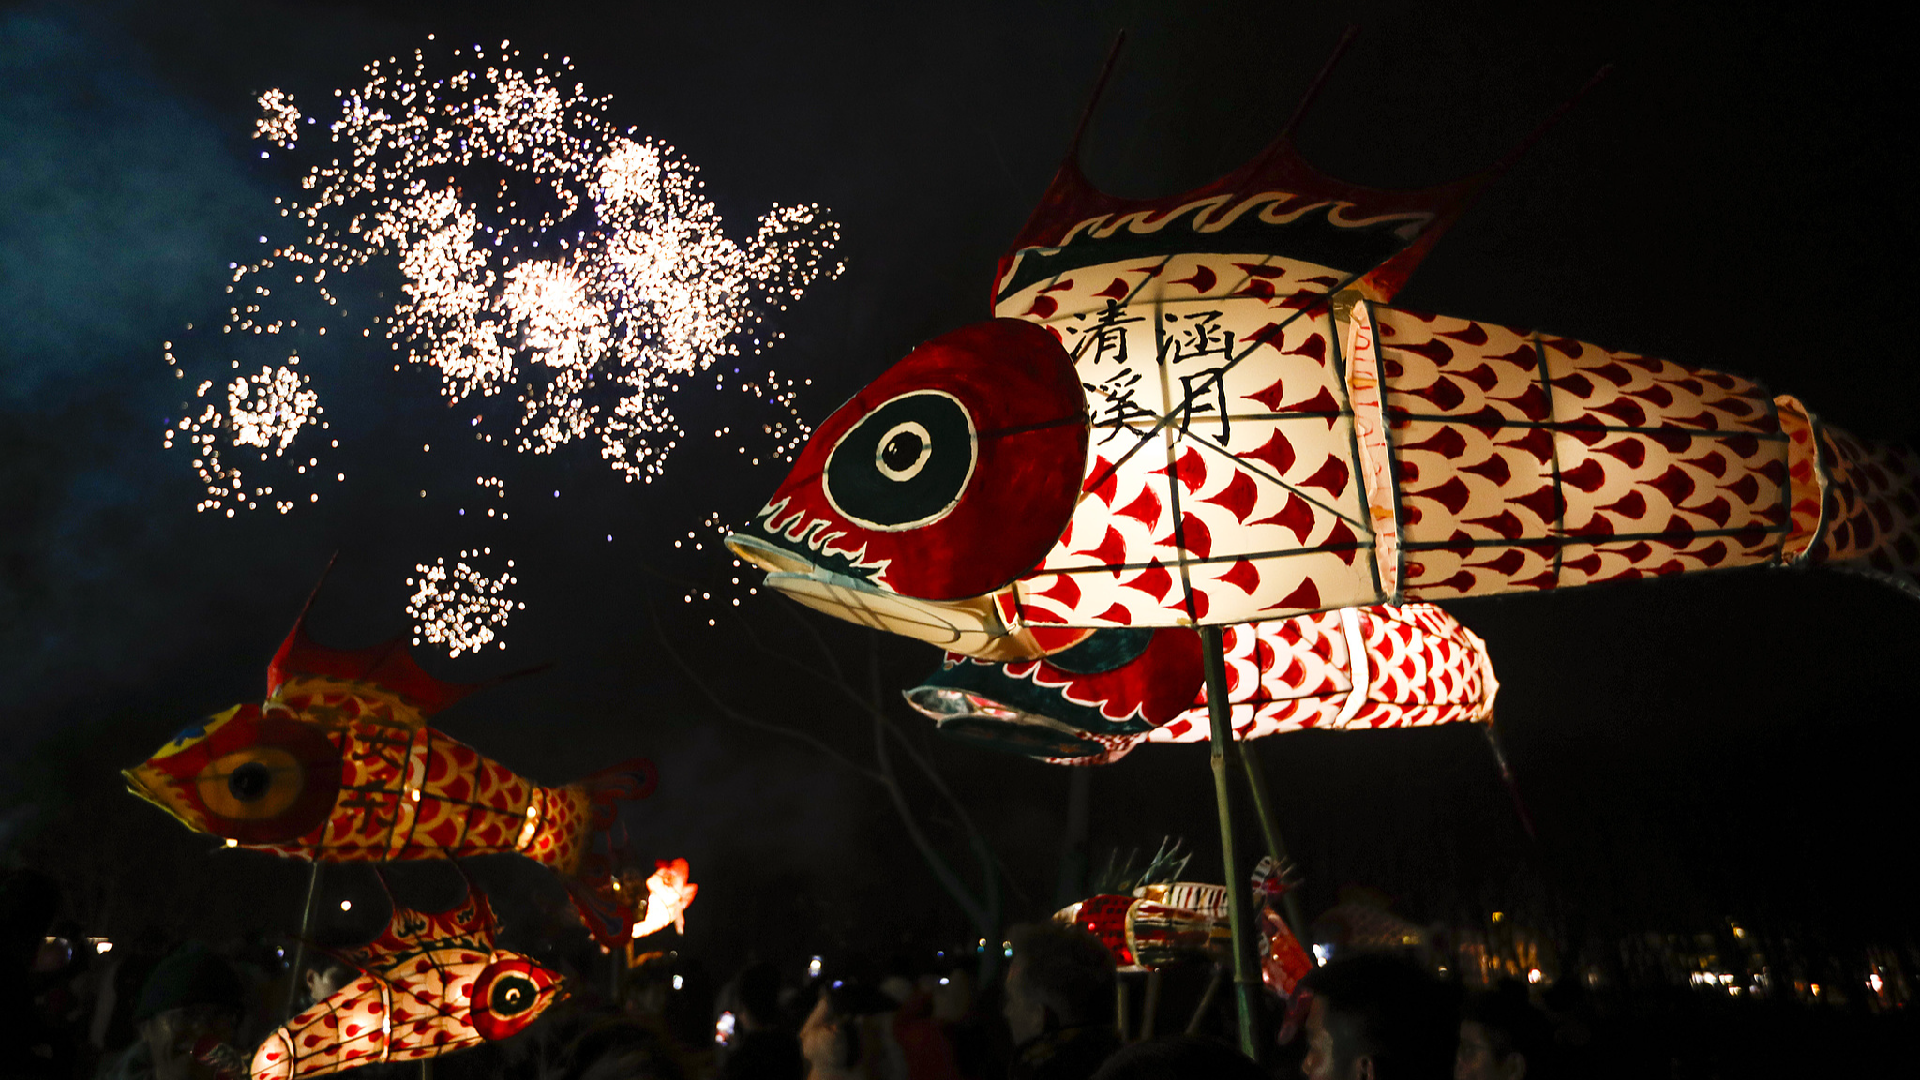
column 905, row 464
column 276, row 786
column 509, row 994
column 250, row 782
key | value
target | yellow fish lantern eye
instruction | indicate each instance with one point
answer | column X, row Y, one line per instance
column 257, row 783
column 267, row 779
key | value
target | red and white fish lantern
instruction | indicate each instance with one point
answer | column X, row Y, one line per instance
column 1170, row 922
column 430, row 984
column 1200, row 410
column 1353, row 669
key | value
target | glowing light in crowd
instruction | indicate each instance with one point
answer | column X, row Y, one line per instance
column 460, row 607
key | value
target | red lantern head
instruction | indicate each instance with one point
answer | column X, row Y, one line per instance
column 942, row 481
column 509, row 994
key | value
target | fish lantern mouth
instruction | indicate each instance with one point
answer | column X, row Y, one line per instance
column 971, row 626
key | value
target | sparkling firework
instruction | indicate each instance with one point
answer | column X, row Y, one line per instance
column 460, row 607
column 560, row 275
column 548, row 258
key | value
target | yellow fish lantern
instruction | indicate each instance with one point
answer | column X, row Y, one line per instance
column 1201, row 410
column 430, row 984
column 337, row 764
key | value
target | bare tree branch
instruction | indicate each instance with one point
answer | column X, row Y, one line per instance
column 754, row 722
column 984, row 917
column 982, row 909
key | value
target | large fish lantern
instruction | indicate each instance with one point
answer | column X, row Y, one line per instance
column 430, row 984
column 337, row 764
column 1356, row 668
column 1200, row 410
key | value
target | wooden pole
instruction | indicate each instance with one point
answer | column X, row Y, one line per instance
column 1152, row 1005
column 1270, row 828
column 1071, row 882
column 1224, row 746
column 300, row 943
column 1206, row 1000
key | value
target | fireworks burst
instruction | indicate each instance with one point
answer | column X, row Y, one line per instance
column 461, row 607
column 279, row 121
column 548, row 258
column 560, row 275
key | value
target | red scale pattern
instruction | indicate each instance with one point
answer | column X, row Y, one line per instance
column 414, row 1000
column 1872, row 506
column 466, row 803
column 1184, row 518
column 1529, row 462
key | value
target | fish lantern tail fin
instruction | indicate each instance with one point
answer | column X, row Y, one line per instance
column 592, row 888
column 607, row 918
column 1867, row 510
column 631, row 779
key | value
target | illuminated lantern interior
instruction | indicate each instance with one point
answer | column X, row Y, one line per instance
column 430, row 984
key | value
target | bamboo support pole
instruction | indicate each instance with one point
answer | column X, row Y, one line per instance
column 1224, row 747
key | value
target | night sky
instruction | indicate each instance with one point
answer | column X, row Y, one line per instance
column 1731, row 196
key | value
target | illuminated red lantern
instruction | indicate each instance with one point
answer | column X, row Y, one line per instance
column 430, row 984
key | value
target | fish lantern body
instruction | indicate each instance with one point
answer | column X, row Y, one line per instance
column 1266, row 437
column 337, row 764
column 1355, row 668
column 430, row 984
column 1144, row 931
column 1163, row 924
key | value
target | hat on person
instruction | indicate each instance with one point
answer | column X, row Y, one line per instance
column 190, row 975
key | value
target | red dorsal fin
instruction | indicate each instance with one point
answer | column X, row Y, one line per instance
column 387, row 667
column 468, row 923
column 1374, row 236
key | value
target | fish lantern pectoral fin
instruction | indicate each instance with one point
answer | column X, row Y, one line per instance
column 946, row 479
